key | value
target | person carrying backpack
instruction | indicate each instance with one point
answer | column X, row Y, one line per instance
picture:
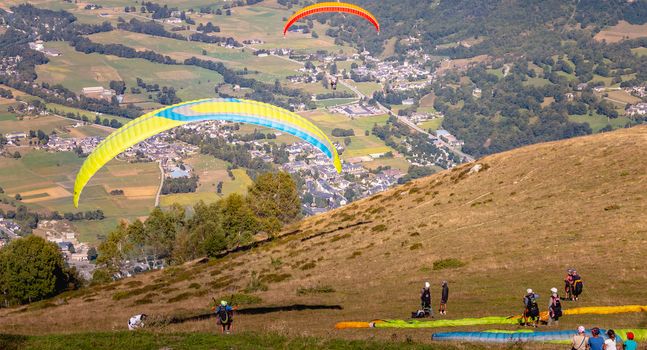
column 531, row 310
column 225, row 315
column 568, row 284
column 554, row 307
column 578, row 285
column 580, row 341
column 425, row 300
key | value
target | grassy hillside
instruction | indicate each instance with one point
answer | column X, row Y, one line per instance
column 518, row 223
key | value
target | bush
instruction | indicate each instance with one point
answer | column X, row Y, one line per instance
column 450, row 263
column 180, row 297
column 379, row 228
column 315, row 290
column 308, row 266
column 275, row 278
column 415, row 246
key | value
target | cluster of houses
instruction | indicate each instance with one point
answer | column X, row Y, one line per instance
column 8, row 231
column 73, row 252
column 402, row 77
column 639, row 109
column 356, row 110
column 450, row 139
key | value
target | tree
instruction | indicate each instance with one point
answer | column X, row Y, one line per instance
column 238, row 220
column 113, row 250
column 92, row 254
column 275, row 195
column 31, row 269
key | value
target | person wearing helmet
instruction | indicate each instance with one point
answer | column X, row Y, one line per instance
column 531, row 310
column 136, row 322
column 580, row 340
column 554, row 307
column 425, row 300
column 630, row 344
column 444, row 296
column 225, row 315
column 596, row 342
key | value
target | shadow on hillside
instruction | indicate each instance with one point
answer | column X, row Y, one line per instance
column 12, row 342
column 253, row 311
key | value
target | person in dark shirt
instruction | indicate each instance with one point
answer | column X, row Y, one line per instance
column 444, row 296
column 425, row 299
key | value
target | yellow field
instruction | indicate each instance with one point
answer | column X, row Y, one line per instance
column 45, row 194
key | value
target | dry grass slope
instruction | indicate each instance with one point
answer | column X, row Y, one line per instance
column 519, row 222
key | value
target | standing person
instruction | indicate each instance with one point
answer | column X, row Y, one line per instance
column 568, row 284
column 225, row 315
column 444, row 296
column 577, row 285
column 630, row 344
column 596, row 342
column 531, row 310
column 554, row 307
column 136, row 322
column 580, row 341
column 613, row 342
column 425, row 300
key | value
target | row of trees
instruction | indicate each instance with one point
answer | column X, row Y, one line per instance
column 180, row 185
column 271, row 202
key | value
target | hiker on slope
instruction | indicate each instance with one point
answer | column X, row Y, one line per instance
column 225, row 315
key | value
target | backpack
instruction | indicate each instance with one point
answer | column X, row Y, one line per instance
column 223, row 315
column 533, row 308
column 578, row 287
column 557, row 308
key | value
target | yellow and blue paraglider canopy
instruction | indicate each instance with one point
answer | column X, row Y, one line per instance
column 231, row 109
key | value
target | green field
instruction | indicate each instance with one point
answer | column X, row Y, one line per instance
column 45, row 123
column 598, row 122
column 203, row 341
column 269, row 68
column 63, row 110
column 334, row 102
column 368, row 88
column 76, row 70
column 433, row 124
column 46, row 181
column 206, row 191
column 536, row 82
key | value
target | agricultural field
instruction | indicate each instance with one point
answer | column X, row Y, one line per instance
column 432, row 124
column 622, row 97
column 368, row 88
column 9, row 123
column 76, row 70
column 270, row 68
column 640, row 51
column 597, row 121
column 622, row 31
column 207, row 189
column 45, row 181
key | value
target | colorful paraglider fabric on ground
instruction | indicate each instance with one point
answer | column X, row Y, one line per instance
column 234, row 110
column 331, row 7
column 504, row 336
column 492, row 320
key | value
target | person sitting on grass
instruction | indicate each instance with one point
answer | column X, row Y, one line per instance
column 136, row 322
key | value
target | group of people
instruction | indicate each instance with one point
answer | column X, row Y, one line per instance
column 224, row 313
column 425, row 301
column 573, row 288
column 581, row 341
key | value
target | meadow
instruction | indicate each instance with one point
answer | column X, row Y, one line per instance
column 45, row 180
column 76, row 70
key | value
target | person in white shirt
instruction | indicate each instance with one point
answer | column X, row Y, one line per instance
column 614, row 342
column 136, row 322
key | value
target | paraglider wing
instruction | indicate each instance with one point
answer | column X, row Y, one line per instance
column 331, row 7
column 235, row 110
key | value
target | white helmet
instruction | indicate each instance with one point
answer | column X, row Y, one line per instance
column 528, row 290
column 427, row 285
column 554, row 290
